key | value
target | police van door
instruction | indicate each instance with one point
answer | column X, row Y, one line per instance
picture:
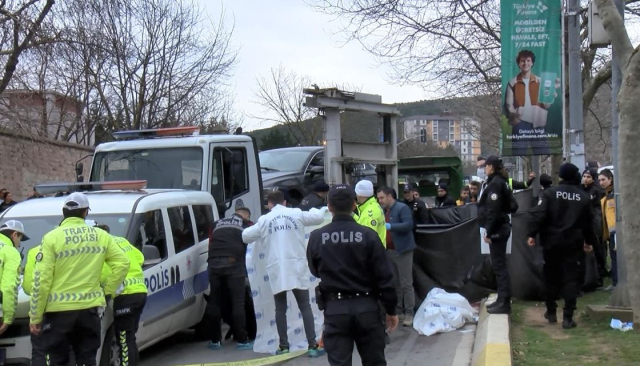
column 183, row 268
column 153, row 230
column 235, row 179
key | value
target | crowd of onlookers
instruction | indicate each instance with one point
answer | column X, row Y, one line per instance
column 8, row 201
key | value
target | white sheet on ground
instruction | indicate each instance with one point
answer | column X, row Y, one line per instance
column 442, row 312
column 267, row 339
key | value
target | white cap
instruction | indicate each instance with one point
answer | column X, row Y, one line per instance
column 14, row 225
column 364, row 188
column 75, row 201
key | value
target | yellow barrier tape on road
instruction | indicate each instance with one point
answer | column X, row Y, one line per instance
column 255, row 362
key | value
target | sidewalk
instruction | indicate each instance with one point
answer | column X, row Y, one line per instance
column 492, row 346
column 409, row 348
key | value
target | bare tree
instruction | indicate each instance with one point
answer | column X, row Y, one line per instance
column 628, row 172
column 162, row 60
column 449, row 47
column 281, row 96
column 21, row 28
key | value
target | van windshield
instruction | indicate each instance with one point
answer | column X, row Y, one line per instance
column 285, row 161
column 171, row 168
column 37, row 226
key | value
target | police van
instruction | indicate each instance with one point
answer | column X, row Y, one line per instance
column 170, row 227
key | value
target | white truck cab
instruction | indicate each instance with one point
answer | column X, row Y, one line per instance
column 171, row 228
column 226, row 166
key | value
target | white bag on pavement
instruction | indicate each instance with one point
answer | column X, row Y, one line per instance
column 443, row 312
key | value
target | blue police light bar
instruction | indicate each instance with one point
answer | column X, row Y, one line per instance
column 158, row 132
column 123, row 185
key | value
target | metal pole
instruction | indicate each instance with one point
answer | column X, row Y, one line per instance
column 576, row 124
column 620, row 296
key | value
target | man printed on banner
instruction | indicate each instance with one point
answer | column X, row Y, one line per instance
column 522, row 108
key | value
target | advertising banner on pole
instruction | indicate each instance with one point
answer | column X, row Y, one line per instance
column 532, row 118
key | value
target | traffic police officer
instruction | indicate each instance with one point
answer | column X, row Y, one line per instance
column 38, row 356
column 564, row 220
column 354, row 271
column 129, row 300
column 66, row 294
column 368, row 212
column 11, row 234
column 495, row 204
column 418, row 207
column 315, row 199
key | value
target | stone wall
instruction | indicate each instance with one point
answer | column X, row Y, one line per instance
column 26, row 161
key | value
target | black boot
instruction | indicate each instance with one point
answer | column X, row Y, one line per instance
column 501, row 307
column 494, row 304
column 567, row 321
column 551, row 316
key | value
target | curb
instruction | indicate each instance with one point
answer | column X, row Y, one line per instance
column 492, row 346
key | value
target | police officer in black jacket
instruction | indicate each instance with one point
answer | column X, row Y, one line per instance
column 495, row 204
column 355, row 273
column 315, row 199
column 227, row 270
column 563, row 219
column 418, row 207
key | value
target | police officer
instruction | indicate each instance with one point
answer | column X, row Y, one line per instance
column 495, row 204
column 418, row 207
column 355, row 272
column 368, row 211
column 38, row 356
column 317, row 198
column 66, row 294
column 129, row 300
column 564, row 220
column 11, row 234
column 227, row 270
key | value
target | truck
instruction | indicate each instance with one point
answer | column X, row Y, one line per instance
column 427, row 172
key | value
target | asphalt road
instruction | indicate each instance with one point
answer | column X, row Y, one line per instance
column 406, row 348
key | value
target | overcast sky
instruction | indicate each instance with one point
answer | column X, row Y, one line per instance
column 289, row 32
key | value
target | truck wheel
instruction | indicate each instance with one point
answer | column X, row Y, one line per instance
column 110, row 350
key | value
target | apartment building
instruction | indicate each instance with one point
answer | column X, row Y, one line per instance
column 443, row 130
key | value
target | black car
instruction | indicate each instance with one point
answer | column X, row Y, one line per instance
column 293, row 169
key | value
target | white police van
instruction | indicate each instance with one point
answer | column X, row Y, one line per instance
column 172, row 229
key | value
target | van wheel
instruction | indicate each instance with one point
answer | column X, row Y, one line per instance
column 110, row 350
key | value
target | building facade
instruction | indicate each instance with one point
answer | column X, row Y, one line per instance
column 47, row 114
column 443, row 130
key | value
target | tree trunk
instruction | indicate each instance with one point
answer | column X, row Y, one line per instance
column 629, row 175
column 628, row 171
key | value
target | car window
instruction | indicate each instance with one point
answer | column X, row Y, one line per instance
column 181, row 228
column 318, row 160
column 151, row 231
column 225, row 183
column 203, row 214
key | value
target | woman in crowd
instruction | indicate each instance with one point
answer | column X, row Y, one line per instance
column 609, row 221
column 7, row 201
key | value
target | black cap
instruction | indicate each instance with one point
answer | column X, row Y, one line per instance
column 408, row 187
column 443, row 186
column 494, row 161
column 545, row 180
column 341, row 193
column 592, row 172
column 569, row 172
column 321, row 186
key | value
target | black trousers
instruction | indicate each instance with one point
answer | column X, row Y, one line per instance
column 498, row 252
column 38, row 354
column 127, row 310
column 76, row 329
column 227, row 279
column 561, row 276
column 349, row 322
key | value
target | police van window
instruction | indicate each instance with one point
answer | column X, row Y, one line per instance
column 149, row 229
column 203, row 214
column 229, row 174
column 181, row 228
